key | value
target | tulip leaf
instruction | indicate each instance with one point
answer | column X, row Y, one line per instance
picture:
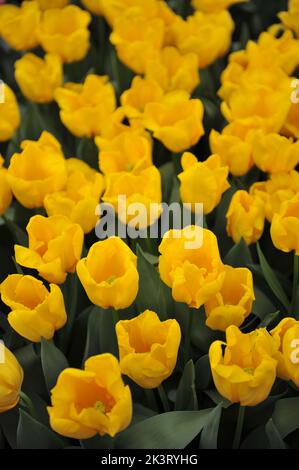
column 202, row 336
column 175, row 192
column 217, row 398
column 272, row 279
column 18, row 234
column 173, row 430
column 275, row 440
column 203, row 375
column 257, row 439
column 262, row 305
column 92, row 345
column 88, row 152
column 209, row 434
column 186, row 398
column 238, row 255
column 53, row 362
column 98, row 442
column 151, row 293
column 101, row 337
column 286, row 416
column 167, row 175
column 269, row 319
column 33, row 435
column 8, row 424
column 70, row 290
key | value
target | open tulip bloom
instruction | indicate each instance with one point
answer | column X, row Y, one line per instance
column 149, row 226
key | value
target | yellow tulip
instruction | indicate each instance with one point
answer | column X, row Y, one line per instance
column 272, row 50
column 85, row 108
column 245, row 370
column 40, row 169
column 260, row 66
column 130, row 151
column 55, row 247
column 212, row 6
column 286, row 333
column 256, row 103
column 234, row 147
column 137, row 38
column 79, row 200
column 10, row 116
column 97, row 7
column 18, row 25
column 285, row 226
column 148, row 348
column 141, row 92
column 206, row 35
column 190, row 265
column 5, row 191
column 142, row 192
column 64, row 31
column 233, row 303
column 91, row 401
column 11, row 379
column 38, row 78
column 176, row 120
column 290, row 18
column 173, row 70
column 274, row 153
column 245, row 217
column 109, row 274
column 203, row 182
column 36, row 312
column 111, row 10
column 291, row 126
column 279, row 188
column 50, row 4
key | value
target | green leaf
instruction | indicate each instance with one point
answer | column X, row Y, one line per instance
column 286, row 416
column 175, row 192
column 151, row 292
column 173, row 430
column 70, row 290
column 101, row 336
column 238, row 255
column 18, row 234
column 33, row 435
column 217, row 398
column 202, row 336
column 97, row 442
column 262, row 304
column 257, row 439
column 92, row 346
column 53, row 362
column 167, row 175
column 275, row 440
column 269, row 319
column 88, row 152
column 140, row 413
column 203, row 375
column 272, row 280
column 186, row 398
column 209, row 434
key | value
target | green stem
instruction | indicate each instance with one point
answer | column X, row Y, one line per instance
column 163, row 398
column 295, row 282
column 151, row 399
column 176, row 159
column 187, row 343
column 26, row 402
column 239, row 427
column 115, row 315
